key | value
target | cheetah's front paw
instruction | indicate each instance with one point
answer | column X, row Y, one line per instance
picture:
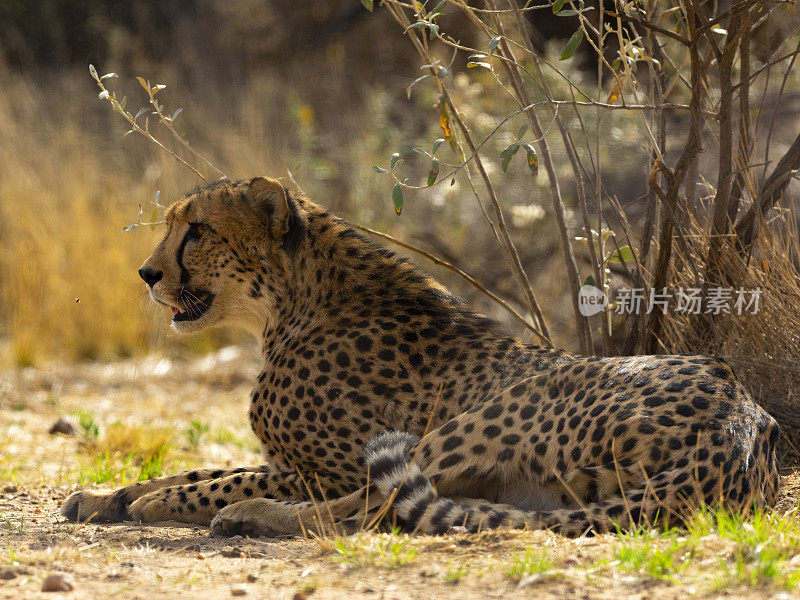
column 151, row 508
column 169, row 504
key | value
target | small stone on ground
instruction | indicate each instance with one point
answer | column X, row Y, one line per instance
column 58, row 582
column 65, row 425
column 457, row 529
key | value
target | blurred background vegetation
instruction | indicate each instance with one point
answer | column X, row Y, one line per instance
column 260, row 84
column 317, row 88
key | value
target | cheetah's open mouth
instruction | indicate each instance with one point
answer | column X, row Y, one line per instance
column 195, row 302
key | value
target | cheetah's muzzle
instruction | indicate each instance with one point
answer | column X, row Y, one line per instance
column 196, row 303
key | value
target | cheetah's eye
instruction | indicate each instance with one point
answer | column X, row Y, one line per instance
column 196, row 230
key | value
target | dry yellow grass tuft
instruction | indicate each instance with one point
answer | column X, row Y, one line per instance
column 762, row 346
column 68, row 281
column 62, row 258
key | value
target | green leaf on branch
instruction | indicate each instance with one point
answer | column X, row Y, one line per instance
column 493, row 44
column 432, row 28
column 522, row 130
column 558, row 5
column 434, row 172
column 436, row 144
column 380, row 170
column 572, row 45
column 572, row 13
column 418, row 25
column 368, row 4
column 589, row 281
column 507, row 155
column 415, row 82
column 483, row 65
column 623, row 254
column 396, row 160
column 397, row 198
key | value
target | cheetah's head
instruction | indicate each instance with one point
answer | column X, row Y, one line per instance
column 226, row 254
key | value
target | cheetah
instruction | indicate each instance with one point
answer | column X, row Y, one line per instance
column 380, row 391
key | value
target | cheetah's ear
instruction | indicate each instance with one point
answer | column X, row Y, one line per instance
column 267, row 197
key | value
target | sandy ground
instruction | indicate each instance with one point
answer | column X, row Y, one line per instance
column 126, row 561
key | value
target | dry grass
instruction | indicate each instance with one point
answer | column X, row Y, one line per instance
column 132, row 418
column 763, row 348
column 68, row 282
column 70, row 183
column 68, row 278
column 719, row 556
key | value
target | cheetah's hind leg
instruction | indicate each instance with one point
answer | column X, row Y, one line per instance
column 277, row 518
column 671, row 494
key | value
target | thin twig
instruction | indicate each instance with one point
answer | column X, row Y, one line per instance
column 517, row 268
column 649, row 25
column 443, row 263
column 775, row 109
column 521, row 96
column 119, row 107
column 771, row 192
column 168, row 122
column 674, row 179
column 743, row 180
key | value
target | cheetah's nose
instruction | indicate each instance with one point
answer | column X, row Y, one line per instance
column 151, row 276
